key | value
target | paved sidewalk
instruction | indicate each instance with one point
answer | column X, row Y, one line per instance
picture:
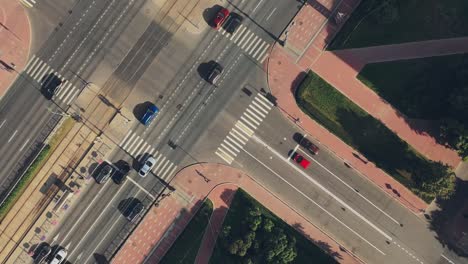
column 15, row 33
column 283, row 76
column 160, row 228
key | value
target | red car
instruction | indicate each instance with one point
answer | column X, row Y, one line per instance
column 299, row 159
column 220, row 18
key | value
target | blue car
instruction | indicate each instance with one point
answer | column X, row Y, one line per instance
column 150, row 114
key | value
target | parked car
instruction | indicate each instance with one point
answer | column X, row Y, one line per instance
column 151, row 112
column 147, row 165
column 305, row 143
column 42, row 252
column 220, row 18
column 233, row 23
column 215, row 73
column 120, row 175
column 59, row 256
column 136, row 208
column 299, row 159
column 105, row 173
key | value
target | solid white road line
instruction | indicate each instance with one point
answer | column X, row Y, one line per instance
column 257, row 6
column 321, row 187
column 135, row 149
column 234, row 154
column 237, row 32
column 243, row 38
column 86, row 210
column 264, row 57
column 35, row 67
column 239, row 35
column 249, row 123
column 141, row 188
column 83, row 238
column 38, row 70
column 124, row 147
column 292, row 152
column 254, row 40
column 74, row 95
column 171, row 171
column 31, row 63
column 24, row 145
column 160, row 172
column 259, row 49
column 451, row 262
column 240, row 135
column 347, row 185
column 235, row 134
column 260, row 107
column 126, row 136
column 263, row 51
column 251, row 113
column 263, row 102
column 157, row 156
column 163, row 172
column 2, row 123
column 244, row 128
column 251, row 118
column 232, row 140
column 318, row 205
column 247, row 41
column 12, row 136
column 224, row 156
column 262, row 114
column 268, row 17
column 163, row 161
column 232, row 146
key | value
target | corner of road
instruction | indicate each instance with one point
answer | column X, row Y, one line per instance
column 15, row 33
column 218, row 183
column 287, row 67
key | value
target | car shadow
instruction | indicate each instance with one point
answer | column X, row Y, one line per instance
column 205, row 68
column 125, row 205
column 140, row 109
column 210, row 13
column 49, row 83
column 297, row 137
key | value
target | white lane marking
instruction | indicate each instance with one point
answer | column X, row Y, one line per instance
column 40, row 69
column 31, row 63
column 163, row 161
column 134, row 150
column 75, row 93
column 141, row 187
column 236, row 33
column 257, row 6
column 262, row 52
column 231, row 133
column 248, row 123
column 36, row 67
column 268, row 17
column 240, row 135
column 135, row 140
column 264, row 58
column 234, row 154
column 253, row 45
column 82, row 238
column 223, row 155
column 239, row 35
column 124, row 146
column 12, row 136
column 86, row 210
column 158, row 172
column 263, row 115
column 265, row 99
column 247, row 41
column 2, row 123
column 243, row 38
column 230, row 140
column 249, row 132
column 263, row 103
column 24, row 145
column 25, row 2
column 126, row 136
column 232, row 146
column 292, row 152
column 157, row 156
column 451, row 262
column 351, row 188
column 251, row 113
column 260, row 48
column 260, row 107
column 311, row 200
column 321, row 187
column 249, row 116
column 163, row 172
column 172, row 171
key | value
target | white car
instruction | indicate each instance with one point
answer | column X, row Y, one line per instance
column 59, row 257
column 147, row 166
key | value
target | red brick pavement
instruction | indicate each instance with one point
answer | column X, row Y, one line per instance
column 154, row 235
column 15, row 34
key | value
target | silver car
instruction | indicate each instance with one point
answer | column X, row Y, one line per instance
column 148, row 164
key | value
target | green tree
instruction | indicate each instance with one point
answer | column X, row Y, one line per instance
column 235, row 246
column 268, row 225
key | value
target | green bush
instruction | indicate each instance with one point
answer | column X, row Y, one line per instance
column 24, row 182
column 252, row 234
column 373, row 139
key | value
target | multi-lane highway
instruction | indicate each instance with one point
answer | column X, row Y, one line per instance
column 140, row 51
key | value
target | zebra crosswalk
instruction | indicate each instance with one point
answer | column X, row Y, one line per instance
column 37, row 69
column 244, row 128
column 249, row 42
column 138, row 148
column 28, row 3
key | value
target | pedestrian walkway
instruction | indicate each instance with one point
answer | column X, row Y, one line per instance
column 15, row 33
column 244, row 128
column 193, row 184
column 39, row 71
column 284, row 73
column 139, row 149
column 249, row 42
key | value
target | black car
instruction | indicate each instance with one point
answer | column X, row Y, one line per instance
column 233, row 23
column 42, row 251
column 135, row 210
column 305, row 143
column 215, row 73
column 104, row 174
column 50, row 86
column 120, row 175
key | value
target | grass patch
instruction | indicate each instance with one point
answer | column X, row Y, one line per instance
column 35, row 167
column 373, row 139
column 185, row 248
column 238, row 223
column 381, row 22
column 424, row 88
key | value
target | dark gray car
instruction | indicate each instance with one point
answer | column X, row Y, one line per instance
column 215, row 73
column 105, row 173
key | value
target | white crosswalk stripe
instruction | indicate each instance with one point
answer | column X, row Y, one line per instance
column 39, row 71
column 28, row 3
column 249, row 42
column 139, row 149
column 244, row 128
